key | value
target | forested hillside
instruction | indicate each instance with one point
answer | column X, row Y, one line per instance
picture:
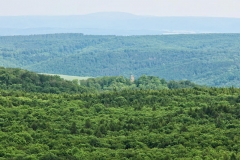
column 197, row 123
column 46, row 117
column 15, row 79
column 210, row 59
column 144, row 82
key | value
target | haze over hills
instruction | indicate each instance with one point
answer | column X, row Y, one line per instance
column 115, row 23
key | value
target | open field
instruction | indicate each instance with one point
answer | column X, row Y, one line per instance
column 67, row 77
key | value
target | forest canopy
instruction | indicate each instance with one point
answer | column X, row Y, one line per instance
column 46, row 117
column 160, row 114
column 19, row 79
column 193, row 123
column 206, row 59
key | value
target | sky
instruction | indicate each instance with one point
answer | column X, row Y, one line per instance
column 206, row 8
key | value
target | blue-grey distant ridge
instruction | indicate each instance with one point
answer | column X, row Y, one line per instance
column 115, row 23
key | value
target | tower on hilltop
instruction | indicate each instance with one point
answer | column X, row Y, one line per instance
column 132, row 78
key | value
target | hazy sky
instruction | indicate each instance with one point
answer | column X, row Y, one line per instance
column 210, row 8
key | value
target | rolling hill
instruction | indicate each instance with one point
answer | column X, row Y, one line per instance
column 206, row 59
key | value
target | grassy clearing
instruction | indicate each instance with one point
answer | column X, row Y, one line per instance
column 67, row 77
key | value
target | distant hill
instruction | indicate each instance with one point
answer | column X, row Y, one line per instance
column 116, row 23
column 206, row 59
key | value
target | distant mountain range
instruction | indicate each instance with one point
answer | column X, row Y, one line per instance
column 115, row 23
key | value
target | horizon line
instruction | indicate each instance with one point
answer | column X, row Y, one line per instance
column 106, row 12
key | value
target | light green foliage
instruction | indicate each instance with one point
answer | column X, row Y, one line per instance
column 142, row 83
column 188, row 123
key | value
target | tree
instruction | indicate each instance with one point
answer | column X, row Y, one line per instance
column 73, row 128
column 88, row 123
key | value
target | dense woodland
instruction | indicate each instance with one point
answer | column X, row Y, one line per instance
column 106, row 122
column 111, row 117
column 19, row 79
column 118, row 83
column 197, row 123
column 206, row 59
